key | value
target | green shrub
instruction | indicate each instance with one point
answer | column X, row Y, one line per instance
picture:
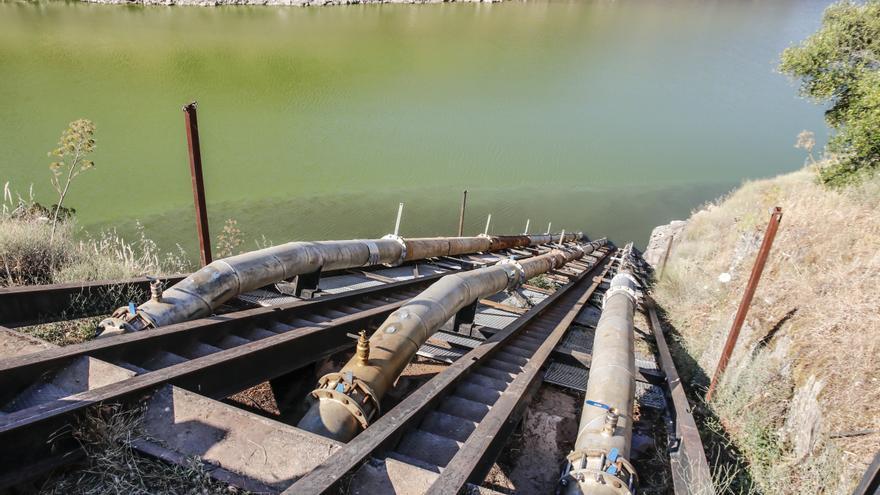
column 840, row 65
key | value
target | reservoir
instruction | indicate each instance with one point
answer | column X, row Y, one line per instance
column 608, row 116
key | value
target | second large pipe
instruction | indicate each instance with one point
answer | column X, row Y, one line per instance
column 348, row 400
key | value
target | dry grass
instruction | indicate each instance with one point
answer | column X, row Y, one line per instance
column 113, row 466
column 29, row 255
column 806, row 364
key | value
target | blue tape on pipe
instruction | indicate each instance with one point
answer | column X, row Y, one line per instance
column 132, row 308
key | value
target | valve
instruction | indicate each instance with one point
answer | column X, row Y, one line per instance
column 363, row 349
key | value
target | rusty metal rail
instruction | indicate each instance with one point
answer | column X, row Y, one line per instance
column 30, row 305
column 215, row 356
column 690, row 470
column 449, row 431
column 488, row 388
column 38, row 304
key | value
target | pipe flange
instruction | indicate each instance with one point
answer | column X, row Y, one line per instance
column 402, row 242
column 375, row 255
column 122, row 321
column 633, row 295
column 353, row 393
column 516, row 277
column 604, row 468
column 631, row 278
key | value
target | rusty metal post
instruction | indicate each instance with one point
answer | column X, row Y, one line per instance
column 666, row 257
column 198, row 184
column 461, row 213
column 742, row 311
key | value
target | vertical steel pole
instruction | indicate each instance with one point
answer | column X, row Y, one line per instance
column 526, row 232
column 666, row 257
column 742, row 311
column 548, row 227
column 461, row 214
column 397, row 222
column 488, row 221
column 198, row 183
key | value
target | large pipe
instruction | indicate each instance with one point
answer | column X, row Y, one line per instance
column 349, row 399
column 599, row 463
column 199, row 294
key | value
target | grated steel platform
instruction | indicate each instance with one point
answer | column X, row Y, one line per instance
column 443, row 354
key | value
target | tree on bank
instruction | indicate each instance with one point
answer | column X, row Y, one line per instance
column 840, row 65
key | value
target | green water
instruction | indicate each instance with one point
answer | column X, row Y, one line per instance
column 603, row 116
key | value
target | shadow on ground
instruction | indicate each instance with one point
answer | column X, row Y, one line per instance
column 730, row 469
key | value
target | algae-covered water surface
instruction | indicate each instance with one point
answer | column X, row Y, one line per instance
column 316, row 122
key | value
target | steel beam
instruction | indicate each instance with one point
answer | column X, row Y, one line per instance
column 387, row 429
column 690, row 470
column 475, row 458
column 35, row 304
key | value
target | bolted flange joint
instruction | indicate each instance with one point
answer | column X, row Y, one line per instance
column 352, row 393
column 402, row 242
column 634, row 294
column 516, row 274
column 596, row 467
column 124, row 320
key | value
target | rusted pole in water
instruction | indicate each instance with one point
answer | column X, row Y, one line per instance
column 198, row 183
column 461, row 213
column 746, row 302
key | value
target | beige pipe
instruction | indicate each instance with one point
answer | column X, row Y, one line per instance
column 600, row 459
column 348, row 400
column 202, row 292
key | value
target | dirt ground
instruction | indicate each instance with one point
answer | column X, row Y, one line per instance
column 533, row 458
column 257, row 398
column 260, row 399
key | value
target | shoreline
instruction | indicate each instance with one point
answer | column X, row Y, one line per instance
column 275, row 3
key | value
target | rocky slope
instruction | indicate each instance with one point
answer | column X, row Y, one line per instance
column 799, row 399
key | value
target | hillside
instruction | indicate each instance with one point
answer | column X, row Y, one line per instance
column 799, row 399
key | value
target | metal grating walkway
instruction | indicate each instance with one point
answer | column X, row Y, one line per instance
column 575, row 378
column 457, row 339
column 564, row 375
column 437, row 353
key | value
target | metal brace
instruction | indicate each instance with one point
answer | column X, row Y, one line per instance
column 374, row 253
